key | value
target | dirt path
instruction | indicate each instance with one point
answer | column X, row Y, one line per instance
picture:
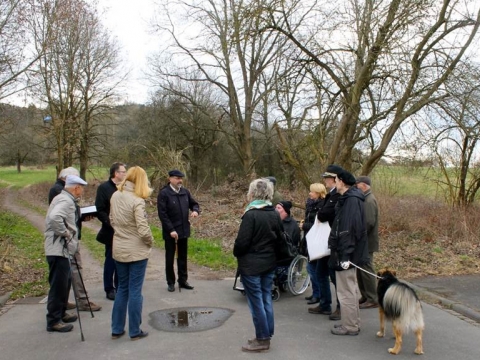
column 92, row 270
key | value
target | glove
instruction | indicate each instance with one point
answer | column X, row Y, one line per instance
column 345, row 265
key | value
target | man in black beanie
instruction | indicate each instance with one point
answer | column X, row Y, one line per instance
column 289, row 224
column 348, row 245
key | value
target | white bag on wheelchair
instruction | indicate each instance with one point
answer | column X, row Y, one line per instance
column 317, row 240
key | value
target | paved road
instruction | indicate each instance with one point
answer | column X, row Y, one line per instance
column 299, row 335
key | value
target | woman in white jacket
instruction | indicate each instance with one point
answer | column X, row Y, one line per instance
column 132, row 243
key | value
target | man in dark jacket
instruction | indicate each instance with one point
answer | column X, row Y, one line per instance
column 289, row 224
column 348, row 244
column 174, row 203
column 105, row 235
column 323, row 272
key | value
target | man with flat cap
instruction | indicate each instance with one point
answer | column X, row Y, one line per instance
column 174, row 204
column 348, row 245
column 324, row 274
column 367, row 283
column 61, row 242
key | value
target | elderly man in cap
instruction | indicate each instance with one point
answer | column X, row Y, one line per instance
column 289, row 224
column 79, row 287
column 366, row 282
column 348, row 245
column 174, row 203
column 61, row 242
column 324, row 273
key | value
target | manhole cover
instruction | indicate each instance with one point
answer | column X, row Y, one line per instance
column 189, row 319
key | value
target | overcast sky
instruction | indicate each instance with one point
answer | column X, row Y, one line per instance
column 128, row 21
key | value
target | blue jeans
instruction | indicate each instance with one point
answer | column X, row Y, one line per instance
column 110, row 278
column 323, row 278
column 258, row 289
column 312, row 271
column 129, row 295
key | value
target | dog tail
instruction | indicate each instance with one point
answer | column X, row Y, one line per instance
column 402, row 305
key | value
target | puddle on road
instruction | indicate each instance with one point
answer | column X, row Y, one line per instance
column 189, row 319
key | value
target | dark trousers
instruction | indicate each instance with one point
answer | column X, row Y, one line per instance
column 181, row 260
column 59, row 280
column 324, row 276
column 110, row 279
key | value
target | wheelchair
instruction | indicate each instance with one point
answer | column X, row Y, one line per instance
column 290, row 274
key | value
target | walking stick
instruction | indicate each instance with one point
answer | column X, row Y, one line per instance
column 176, row 257
column 65, row 248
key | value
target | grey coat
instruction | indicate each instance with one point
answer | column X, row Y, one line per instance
column 61, row 226
column 371, row 221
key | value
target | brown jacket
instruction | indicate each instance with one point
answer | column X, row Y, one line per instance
column 133, row 238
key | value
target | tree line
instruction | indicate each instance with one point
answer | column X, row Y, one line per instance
column 267, row 87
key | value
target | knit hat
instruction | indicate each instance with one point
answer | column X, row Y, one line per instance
column 287, row 205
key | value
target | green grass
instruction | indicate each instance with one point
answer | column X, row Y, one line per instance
column 89, row 240
column 29, row 175
column 22, row 248
column 204, row 252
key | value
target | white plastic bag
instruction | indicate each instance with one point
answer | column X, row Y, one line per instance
column 317, row 240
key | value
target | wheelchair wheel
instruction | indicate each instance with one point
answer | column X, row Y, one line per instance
column 275, row 294
column 298, row 278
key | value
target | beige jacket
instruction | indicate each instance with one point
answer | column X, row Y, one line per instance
column 133, row 238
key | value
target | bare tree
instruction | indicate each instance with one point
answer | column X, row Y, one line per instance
column 455, row 123
column 79, row 75
column 228, row 51
column 387, row 59
column 15, row 56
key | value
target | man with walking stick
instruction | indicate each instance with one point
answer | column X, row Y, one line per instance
column 174, row 203
column 61, row 242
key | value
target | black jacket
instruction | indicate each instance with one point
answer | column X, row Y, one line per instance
column 292, row 229
column 312, row 207
column 257, row 241
column 55, row 190
column 173, row 211
column 327, row 211
column 102, row 202
column 348, row 237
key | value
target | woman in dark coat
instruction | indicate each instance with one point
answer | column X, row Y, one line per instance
column 255, row 247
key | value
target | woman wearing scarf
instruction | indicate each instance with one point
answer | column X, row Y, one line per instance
column 255, row 245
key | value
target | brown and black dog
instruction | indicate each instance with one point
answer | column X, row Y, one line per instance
column 400, row 304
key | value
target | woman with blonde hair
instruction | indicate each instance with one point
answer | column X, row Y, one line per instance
column 314, row 202
column 132, row 243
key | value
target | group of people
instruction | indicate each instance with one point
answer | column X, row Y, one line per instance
column 346, row 203
column 351, row 210
column 120, row 207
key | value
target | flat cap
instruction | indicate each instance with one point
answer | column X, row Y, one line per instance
column 74, row 180
column 346, row 177
column 332, row 171
column 363, row 179
column 175, row 172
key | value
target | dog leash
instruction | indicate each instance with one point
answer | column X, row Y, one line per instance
column 368, row 272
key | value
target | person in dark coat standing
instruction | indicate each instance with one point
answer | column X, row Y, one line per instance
column 323, row 272
column 105, row 235
column 348, row 245
column 366, row 282
column 174, row 204
column 255, row 249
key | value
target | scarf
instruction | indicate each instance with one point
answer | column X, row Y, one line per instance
column 258, row 204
